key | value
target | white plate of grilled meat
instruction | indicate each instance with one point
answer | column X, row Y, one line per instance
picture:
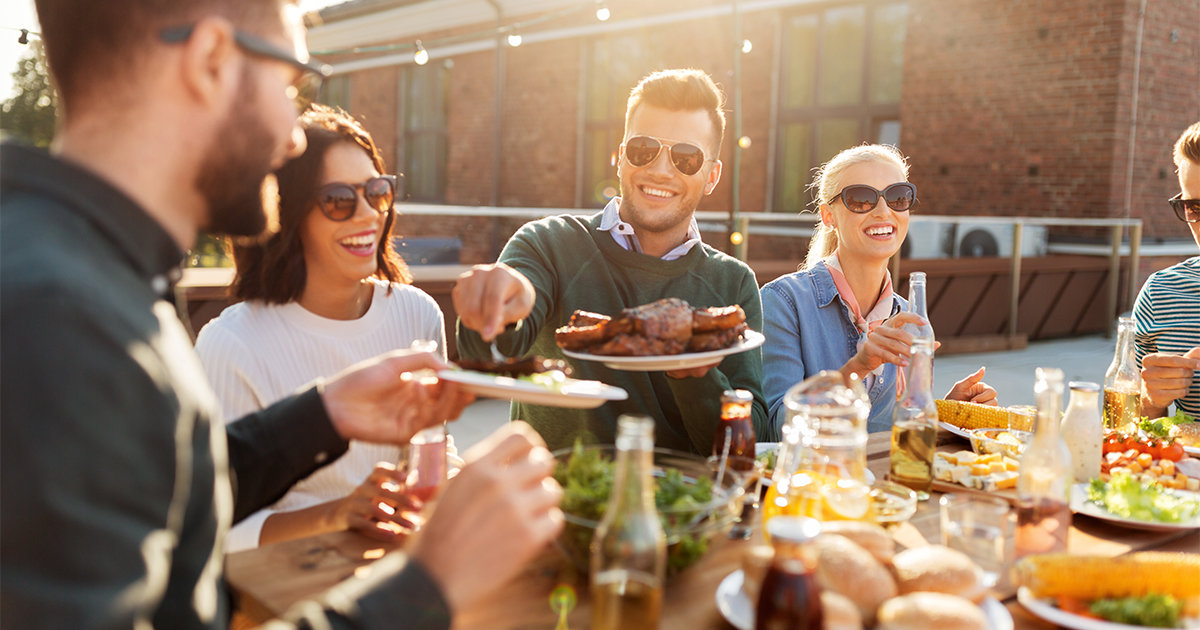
column 668, row 334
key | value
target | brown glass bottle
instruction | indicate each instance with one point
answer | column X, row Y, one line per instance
column 736, row 405
column 790, row 598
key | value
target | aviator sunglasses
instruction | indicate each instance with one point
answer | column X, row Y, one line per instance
column 643, row 150
column 338, row 201
column 861, row 198
column 1188, row 210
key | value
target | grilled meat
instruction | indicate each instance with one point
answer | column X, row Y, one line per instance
column 515, row 367
column 668, row 326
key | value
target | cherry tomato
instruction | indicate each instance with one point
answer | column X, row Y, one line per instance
column 1154, row 448
column 1172, row 451
column 1113, row 444
column 1133, row 444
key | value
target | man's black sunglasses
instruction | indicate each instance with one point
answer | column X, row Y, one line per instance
column 1188, row 210
column 253, row 45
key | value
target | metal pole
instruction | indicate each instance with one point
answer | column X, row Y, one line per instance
column 1114, row 272
column 1014, row 286
column 739, row 249
column 1135, row 245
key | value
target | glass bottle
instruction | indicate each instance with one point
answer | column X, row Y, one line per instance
column 916, row 304
column 914, row 423
column 629, row 549
column 1123, row 382
column 1083, row 430
column 735, row 425
column 1043, row 508
column 790, row 598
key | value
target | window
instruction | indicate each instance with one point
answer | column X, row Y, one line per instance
column 840, row 85
column 335, row 92
column 423, row 146
column 615, row 64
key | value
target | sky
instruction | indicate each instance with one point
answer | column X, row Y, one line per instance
column 18, row 14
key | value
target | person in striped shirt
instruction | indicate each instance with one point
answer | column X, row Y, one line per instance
column 1167, row 311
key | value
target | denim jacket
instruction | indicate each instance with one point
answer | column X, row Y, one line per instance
column 809, row 328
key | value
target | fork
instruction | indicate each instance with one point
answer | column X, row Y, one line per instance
column 497, row 356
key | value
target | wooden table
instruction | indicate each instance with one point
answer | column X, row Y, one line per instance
column 269, row 579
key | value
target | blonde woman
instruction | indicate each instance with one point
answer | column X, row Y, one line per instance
column 839, row 312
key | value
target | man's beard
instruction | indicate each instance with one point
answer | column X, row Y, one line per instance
column 235, row 176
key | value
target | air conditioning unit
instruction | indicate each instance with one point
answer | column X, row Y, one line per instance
column 974, row 240
column 928, row 239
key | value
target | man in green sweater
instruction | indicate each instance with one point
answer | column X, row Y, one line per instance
column 643, row 247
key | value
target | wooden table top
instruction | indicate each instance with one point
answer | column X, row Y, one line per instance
column 269, row 579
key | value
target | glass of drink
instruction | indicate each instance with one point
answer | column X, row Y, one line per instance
column 981, row 527
column 425, row 461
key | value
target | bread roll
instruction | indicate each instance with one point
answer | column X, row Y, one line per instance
column 1187, row 434
column 839, row 613
column 755, row 563
column 869, row 536
column 929, row 611
column 847, row 569
column 939, row 569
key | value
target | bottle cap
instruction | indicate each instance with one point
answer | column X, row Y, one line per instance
column 794, row 529
column 1084, row 386
column 737, row 396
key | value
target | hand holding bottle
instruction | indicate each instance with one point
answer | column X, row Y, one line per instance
column 1166, row 378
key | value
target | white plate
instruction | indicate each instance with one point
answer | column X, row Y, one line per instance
column 574, row 394
column 1057, row 616
column 1081, row 505
column 739, row 611
column 749, row 341
column 959, row 431
column 1192, row 450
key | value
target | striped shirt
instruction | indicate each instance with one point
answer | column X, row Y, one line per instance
column 1167, row 319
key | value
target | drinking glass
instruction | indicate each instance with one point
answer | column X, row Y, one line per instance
column 1020, row 417
column 982, row 528
column 423, row 463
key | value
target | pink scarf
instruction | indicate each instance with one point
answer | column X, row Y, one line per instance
column 879, row 313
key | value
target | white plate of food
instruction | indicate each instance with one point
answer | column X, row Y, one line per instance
column 1046, row 609
column 739, row 611
column 568, row 392
column 959, row 431
column 659, row 363
column 1080, row 504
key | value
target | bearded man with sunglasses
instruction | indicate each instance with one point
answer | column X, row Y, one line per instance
column 1166, row 313
column 119, row 480
column 643, row 247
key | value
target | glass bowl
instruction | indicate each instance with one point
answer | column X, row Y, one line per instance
column 690, row 526
column 892, row 503
column 1010, row 442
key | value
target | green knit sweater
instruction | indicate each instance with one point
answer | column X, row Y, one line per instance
column 573, row 265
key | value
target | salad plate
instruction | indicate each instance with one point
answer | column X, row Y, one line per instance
column 659, row 363
column 571, row 393
column 1080, row 504
column 1045, row 609
column 738, row 610
column 959, row 431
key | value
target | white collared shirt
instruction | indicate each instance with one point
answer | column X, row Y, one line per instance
column 624, row 235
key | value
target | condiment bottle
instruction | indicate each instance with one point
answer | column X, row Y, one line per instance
column 914, row 423
column 1083, row 430
column 790, row 598
column 735, row 425
column 629, row 550
column 1123, row 382
column 1043, row 508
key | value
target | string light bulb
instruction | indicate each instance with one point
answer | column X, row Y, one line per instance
column 602, row 12
column 747, row 46
column 514, row 39
column 421, row 56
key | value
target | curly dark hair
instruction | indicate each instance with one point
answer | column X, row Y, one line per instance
column 273, row 271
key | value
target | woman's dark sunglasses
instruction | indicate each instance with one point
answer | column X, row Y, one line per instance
column 339, row 201
column 643, row 150
column 1188, row 210
column 861, row 198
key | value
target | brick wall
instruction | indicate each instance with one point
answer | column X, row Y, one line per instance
column 1014, row 107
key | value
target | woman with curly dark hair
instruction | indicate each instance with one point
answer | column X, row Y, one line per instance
column 326, row 291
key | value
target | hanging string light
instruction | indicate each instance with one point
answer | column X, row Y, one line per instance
column 421, row 56
column 747, row 46
column 514, row 39
column 602, row 12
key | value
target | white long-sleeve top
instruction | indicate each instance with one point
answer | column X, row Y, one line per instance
column 255, row 354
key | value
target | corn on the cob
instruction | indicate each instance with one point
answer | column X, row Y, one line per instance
column 969, row 415
column 1130, row 575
